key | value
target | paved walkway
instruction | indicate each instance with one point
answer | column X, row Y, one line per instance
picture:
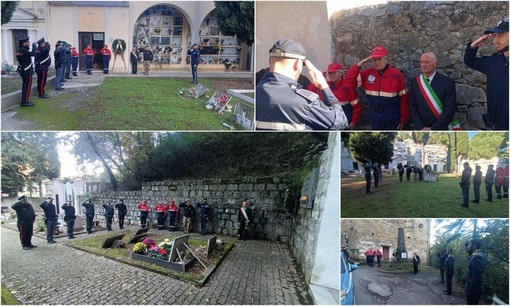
column 254, row 272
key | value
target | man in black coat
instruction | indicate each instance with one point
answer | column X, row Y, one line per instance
column 108, row 213
column 133, row 59
column 432, row 100
column 449, row 270
column 69, row 217
column 489, row 181
column 122, row 212
column 409, row 170
column 42, row 63
column 476, row 266
column 401, row 170
column 477, row 182
column 50, row 212
column 416, row 262
column 205, row 210
column 89, row 214
column 442, row 259
column 244, row 218
column 25, row 215
column 368, row 177
column 25, row 69
column 464, row 184
column 187, row 216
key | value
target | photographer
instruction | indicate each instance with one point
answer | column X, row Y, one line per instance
column 50, row 213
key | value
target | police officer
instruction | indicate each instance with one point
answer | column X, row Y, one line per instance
column 160, row 210
column 122, row 212
column 89, row 214
column 368, row 177
column 409, row 170
column 89, row 56
column 376, row 174
column 59, row 65
column 75, row 56
column 144, row 212
column 25, row 69
column 465, row 182
column 489, row 181
column 107, row 56
column 244, row 217
column 477, row 182
column 173, row 214
column 385, row 89
column 67, row 67
column 108, row 213
column 442, row 259
column 194, row 55
column 69, row 217
column 133, row 58
column 204, row 209
column 42, row 63
column 449, row 270
column 25, row 215
column 476, row 266
column 281, row 102
column 50, row 213
column 495, row 67
column 188, row 214
column 401, row 170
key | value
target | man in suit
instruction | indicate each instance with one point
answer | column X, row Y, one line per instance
column 432, row 100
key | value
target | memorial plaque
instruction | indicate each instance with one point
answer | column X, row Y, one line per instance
column 199, row 90
column 309, row 189
column 211, row 244
column 138, row 238
column 108, row 242
column 178, row 246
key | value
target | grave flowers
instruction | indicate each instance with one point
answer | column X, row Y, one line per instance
column 140, row 248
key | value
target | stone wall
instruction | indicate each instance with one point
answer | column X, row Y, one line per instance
column 316, row 230
column 366, row 233
column 409, row 28
column 225, row 195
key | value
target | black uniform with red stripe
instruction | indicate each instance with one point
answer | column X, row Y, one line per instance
column 25, row 69
column 42, row 61
column 26, row 216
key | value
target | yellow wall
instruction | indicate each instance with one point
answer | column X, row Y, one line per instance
column 61, row 27
column 90, row 19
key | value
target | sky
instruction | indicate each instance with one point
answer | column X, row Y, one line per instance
column 68, row 165
column 334, row 5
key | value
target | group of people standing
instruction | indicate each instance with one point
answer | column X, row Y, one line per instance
column 498, row 179
column 370, row 254
column 285, row 103
column 371, row 169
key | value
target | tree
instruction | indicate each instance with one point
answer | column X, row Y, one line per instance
column 8, row 8
column 486, row 145
column 28, row 159
column 371, row 146
column 236, row 18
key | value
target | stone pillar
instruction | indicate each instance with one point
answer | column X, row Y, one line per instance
column 7, row 46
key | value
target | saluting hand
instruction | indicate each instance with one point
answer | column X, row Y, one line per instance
column 361, row 63
column 316, row 77
column 481, row 41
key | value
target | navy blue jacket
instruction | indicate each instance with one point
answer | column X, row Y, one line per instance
column 495, row 67
column 476, row 266
column 59, row 56
column 108, row 210
column 280, row 106
column 24, row 211
column 89, row 208
column 49, row 210
column 195, row 56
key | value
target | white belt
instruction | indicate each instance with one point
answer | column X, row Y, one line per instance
column 44, row 60
column 28, row 67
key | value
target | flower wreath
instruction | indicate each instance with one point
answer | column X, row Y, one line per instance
column 122, row 43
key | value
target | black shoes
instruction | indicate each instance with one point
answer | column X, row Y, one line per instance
column 27, row 248
column 52, row 241
column 32, row 246
column 43, row 96
column 487, row 200
column 475, row 201
column 27, row 104
column 59, row 89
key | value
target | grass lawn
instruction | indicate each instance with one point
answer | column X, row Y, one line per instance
column 130, row 103
column 11, row 84
column 441, row 199
column 8, row 298
column 93, row 245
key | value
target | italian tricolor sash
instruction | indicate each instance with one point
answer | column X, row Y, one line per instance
column 435, row 105
column 243, row 211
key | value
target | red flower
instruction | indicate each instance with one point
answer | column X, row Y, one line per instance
column 162, row 251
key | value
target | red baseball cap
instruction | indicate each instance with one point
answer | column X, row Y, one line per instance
column 334, row 67
column 378, row 52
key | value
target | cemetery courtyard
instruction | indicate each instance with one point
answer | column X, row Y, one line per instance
column 394, row 199
column 80, row 272
column 125, row 102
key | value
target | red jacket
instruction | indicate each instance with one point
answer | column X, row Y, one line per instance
column 142, row 206
column 378, row 253
column 369, row 253
column 500, row 176
column 173, row 207
column 347, row 97
column 386, row 93
column 74, row 53
column 106, row 52
column 88, row 51
column 160, row 207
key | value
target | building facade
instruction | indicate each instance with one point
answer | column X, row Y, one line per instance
column 168, row 29
column 358, row 235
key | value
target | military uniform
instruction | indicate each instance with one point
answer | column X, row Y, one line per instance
column 42, row 61
column 59, row 65
column 376, row 174
column 205, row 210
column 25, row 69
column 108, row 213
column 489, row 181
column 67, row 62
column 401, row 170
column 477, row 182
column 89, row 215
column 194, row 55
column 69, row 217
column 474, row 281
column 449, row 270
column 368, row 177
column 464, row 184
column 50, row 213
column 122, row 213
column 25, row 215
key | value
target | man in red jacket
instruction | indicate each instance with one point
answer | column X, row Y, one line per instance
column 384, row 85
column 144, row 212
column 160, row 210
column 378, row 253
column 89, row 56
column 173, row 214
column 370, row 257
column 107, row 56
column 346, row 95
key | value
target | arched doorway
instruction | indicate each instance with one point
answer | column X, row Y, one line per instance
column 166, row 31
